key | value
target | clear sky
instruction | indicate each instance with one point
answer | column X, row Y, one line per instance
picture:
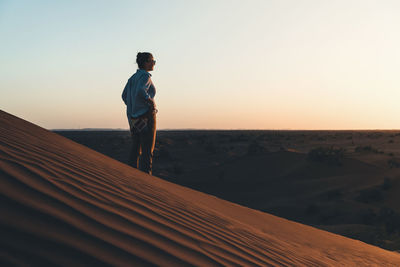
column 257, row 64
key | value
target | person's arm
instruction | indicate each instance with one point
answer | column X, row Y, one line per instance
column 143, row 87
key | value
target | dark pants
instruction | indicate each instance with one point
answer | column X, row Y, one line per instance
column 143, row 145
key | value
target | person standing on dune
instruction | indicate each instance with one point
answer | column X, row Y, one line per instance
column 138, row 96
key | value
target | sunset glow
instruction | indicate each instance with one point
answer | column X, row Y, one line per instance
column 220, row 64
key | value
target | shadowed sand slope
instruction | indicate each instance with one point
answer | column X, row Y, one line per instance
column 62, row 203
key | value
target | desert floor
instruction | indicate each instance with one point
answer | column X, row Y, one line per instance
column 345, row 182
column 64, row 204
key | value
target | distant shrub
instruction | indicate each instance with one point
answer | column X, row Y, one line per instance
column 223, row 137
column 375, row 135
column 368, row 149
column 238, row 138
column 387, row 183
column 263, row 137
column 393, row 163
column 390, row 219
column 255, row 148
column 327, row 154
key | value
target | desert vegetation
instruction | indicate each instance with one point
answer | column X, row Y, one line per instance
column 330, row 155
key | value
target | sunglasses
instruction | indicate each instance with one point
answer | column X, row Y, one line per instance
column 152, row 61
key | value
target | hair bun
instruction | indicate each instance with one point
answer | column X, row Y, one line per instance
column 142, row 57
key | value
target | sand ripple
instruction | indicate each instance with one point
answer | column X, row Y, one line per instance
column 64, row 204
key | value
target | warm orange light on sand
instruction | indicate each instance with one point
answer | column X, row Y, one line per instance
column 86, row 208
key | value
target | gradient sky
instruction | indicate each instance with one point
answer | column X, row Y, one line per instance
column 257, row 64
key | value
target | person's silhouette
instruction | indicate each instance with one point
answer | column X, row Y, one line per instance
column 138, row 96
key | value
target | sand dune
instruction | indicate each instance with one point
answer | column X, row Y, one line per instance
column 62, row 203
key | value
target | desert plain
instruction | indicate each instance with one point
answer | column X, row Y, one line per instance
column 65, row 204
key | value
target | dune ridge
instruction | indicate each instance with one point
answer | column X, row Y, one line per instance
column 63, row 203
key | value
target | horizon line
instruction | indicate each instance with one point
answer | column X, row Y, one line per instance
column 217, row 129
